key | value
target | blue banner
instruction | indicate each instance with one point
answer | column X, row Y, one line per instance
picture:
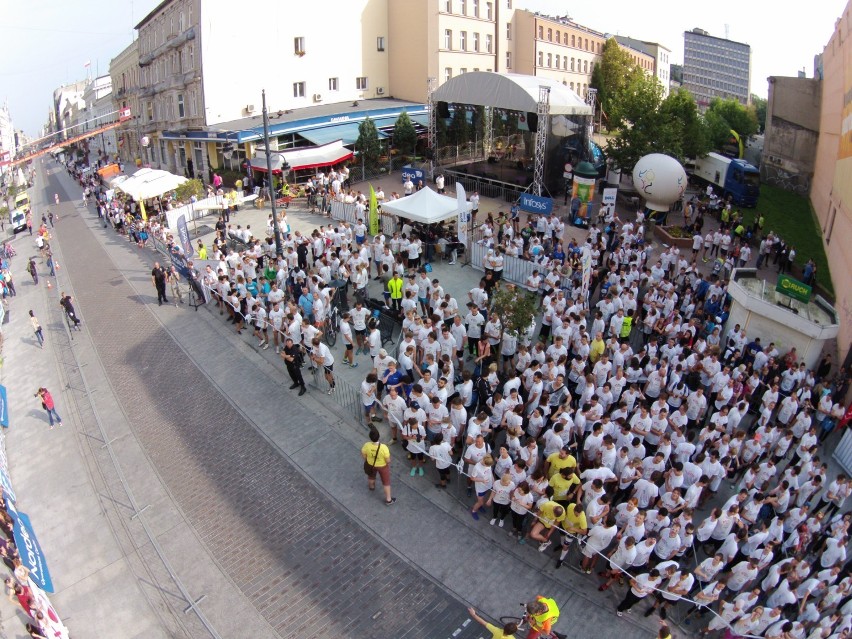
column 28, row 547
column 414, row 174
column 180, row 262
column 536, row 204
column 4, row 408
column 183, row 234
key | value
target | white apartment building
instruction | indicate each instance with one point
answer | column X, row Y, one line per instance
column 67, row 102
column 124, row 72
column 7, row 137
column 99, row 110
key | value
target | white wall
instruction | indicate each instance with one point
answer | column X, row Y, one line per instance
column 340, row 42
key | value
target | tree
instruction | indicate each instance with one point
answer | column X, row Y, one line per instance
column 479, row 123
column 613, row 74
column 185, row 191
column 367, row 145
column 679, row 110
column 638, row 123
column 515, row 306
column 404, row 134
column 458, row 132
column 740, row 118
column 759, row 105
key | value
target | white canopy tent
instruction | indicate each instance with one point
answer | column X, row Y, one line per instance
column 424, row 206
column 148, row 183
column 511, row 91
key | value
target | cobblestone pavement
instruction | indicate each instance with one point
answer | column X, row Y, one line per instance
column 299, row 558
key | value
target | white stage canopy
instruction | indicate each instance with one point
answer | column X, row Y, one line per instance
column 148, row 183
column 511, row 91
column 424, row 206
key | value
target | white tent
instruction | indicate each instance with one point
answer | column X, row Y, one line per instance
column 148, row 183
column 424, row 206
column 511, row 91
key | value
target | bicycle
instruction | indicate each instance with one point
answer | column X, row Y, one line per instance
column 332, row 326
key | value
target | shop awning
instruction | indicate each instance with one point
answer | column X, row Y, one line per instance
column 306, row 158
column 346, row 133
column 148, row 183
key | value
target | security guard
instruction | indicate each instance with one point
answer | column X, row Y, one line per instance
column 292, row 355
column 543, row 613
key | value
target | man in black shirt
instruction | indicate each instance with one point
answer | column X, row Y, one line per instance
column 158, row 278
column 66, row 303
column 292, row 355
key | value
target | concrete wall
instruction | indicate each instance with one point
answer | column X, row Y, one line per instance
column 831, row 191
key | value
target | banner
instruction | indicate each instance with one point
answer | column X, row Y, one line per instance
column 142, row 210
column 374, row 213
column 793, row 288
column 53, row 624
column 4, row 408
column 415, row 174
column 464, row 214
column 536, row 204
column 608, row 201
column 583, row 193
column 28, row 547
column 183, row 234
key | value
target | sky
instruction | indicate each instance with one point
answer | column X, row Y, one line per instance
column 47, row 42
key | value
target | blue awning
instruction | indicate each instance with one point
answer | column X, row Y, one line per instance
column 348, row 133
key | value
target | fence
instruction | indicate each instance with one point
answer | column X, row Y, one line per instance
column 349, row 213
column 486, row 187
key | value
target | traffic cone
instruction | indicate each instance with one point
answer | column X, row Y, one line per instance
column 49, row 285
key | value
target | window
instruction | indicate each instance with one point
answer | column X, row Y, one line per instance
column 333, row 84
column 508, row 59
column 462, row 71
column 508, row 30
column 181, row 22
column 489, row 10
column 380, row 43
column 550, row 35
column 565, row 62
column 585, row 66
column 591, row 67
column 557, row 61
column 463, row 40
column 573, row 40
column 565, row 38
column 540, row 59
column 191, row 57
column 298, row 89
column 150, row 111
column 475, row 8
column 361, row 83
column 587, row 44
column 180, row 107
column 541, row 33
column 599, row 47
column 509, row 3
column 463, row 7
column 476, row 41
column 298, row 45
column 572, row 86
column 448, row 6
column 488, row 42
column 448, row 39
column 572, row 64
column 549, row 60
column 448, row 74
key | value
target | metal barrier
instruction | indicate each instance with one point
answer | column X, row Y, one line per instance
column 349, row 213
column 486, row 187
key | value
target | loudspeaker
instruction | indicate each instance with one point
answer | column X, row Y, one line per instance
column 443, row 110
column 532, row 121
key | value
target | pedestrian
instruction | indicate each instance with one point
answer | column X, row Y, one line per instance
column 173, row 278
column 37, row 329
column 32, row 270
column 292, row 356
column 48, row 405
column 50, row 217
column 377, row 462
column 66, row 302
column 158, row 279
column 506, row 632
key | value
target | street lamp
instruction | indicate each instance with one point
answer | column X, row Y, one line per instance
column 279, row 251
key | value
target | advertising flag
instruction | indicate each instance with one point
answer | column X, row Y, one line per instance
column 28, row 547
column 374, row 212
column 464, row 213
column 183, row 234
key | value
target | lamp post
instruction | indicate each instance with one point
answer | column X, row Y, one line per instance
column 275, row 229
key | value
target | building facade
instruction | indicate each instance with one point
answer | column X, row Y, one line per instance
column 124, row 72
column 99, row 110
column 831, row 189
column 656, row 60
column 715, row 67
column 67, row 103
column 7, row 138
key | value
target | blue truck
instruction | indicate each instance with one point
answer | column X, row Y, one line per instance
column 731, row 176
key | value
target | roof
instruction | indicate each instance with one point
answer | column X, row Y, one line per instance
column 704, row 34
column 424, row 206
column 153, row 13
column 511, row 91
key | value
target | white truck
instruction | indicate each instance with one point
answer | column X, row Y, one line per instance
column 732, row 176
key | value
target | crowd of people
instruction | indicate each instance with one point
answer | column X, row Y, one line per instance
column 636, row 433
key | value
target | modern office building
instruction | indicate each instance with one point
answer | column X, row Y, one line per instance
column 715, row 67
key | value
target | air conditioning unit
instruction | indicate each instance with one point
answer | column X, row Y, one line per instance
column 380, row 90
column 317, row 97
column 249, row 108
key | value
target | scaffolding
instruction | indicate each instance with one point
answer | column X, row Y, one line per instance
column 542, row 127
column 488, row 141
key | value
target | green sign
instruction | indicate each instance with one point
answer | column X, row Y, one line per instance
column 793, row 288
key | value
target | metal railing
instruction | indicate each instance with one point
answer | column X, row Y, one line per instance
column 349, row 213
column 486, row 187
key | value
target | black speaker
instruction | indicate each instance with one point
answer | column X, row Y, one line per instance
column 532, row 121
column 443, row 110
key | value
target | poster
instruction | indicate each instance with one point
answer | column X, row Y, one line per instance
column 464, row 214
column 583, row 192
column 608, row 204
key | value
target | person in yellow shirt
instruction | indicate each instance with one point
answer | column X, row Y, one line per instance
column 564, row 484
column 550, row 514
column 506, row 632
column 377, row 462
column 202, row 251
column 596, row 348
column 575, row 524
column 559, row 460
column 395, row 286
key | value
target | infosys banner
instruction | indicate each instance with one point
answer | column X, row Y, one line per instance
column 536, row 204
column 31, row 554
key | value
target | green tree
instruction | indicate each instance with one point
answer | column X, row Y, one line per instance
column 367, row 145
column 740, row 118
column 679, row 110
column 515, row 306
column 404, row 134
column 638, row 124
column 479, row 123
column 185, row 191
column 759, row 105
column 458, row 132
column 612, row 74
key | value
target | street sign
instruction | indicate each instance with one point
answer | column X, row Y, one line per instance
column 536, row 204
column 793, row 288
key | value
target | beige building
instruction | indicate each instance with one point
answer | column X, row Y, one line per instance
column 124, row 71
column 831, row 190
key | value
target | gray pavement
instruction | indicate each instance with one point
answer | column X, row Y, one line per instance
column 251, row 475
